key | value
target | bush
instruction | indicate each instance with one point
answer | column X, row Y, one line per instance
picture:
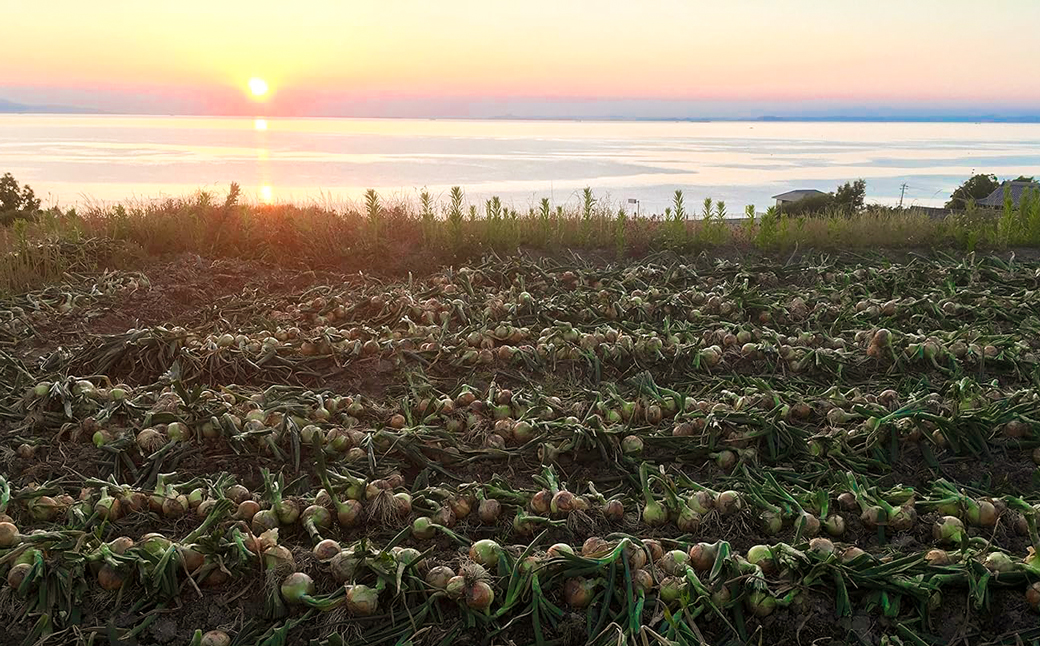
column 813, row 205
column 16, row 203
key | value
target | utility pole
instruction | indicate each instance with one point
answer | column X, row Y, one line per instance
column 902, row 190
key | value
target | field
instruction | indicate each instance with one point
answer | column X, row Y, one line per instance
column 525, row 449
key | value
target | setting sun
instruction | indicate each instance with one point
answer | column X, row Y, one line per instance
column 257, row 86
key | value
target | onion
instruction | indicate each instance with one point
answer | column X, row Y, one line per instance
column 177, row 431
column 772, row 523
column 485, row 552
column 834, row 525
column 17, row 574
column 108, row 578
column 614, row 510
column 460, row 506
column 948, row 530
column 9, row 536
column 674, row 562
column 983, row 514
column 761, row 604
column 1033, row 595
column 848, row 501
column 540, row 502
column 348, row 513
column 479, row 596
column 121, row 544
column 215, row 638
column 761, row 556
column 278, row 557
column 343, row 566
column 726, row 460
column 642, row 581
column 702, row 556
column 558, row 549
column 154, row 544
column 594, row 547
column 821, row 546
column 654, row 548
column 362, row 600
column 631, row 445
column 175, row 506
column 296, row 587
column 654, row 513
column 729, row 502
column 578, row 592
column 563, row 503
column 904, row 518
column 810, row 524
column 45, row 508
column 439, row 576
column 456, row 587
column 264, row 520
column 247, row 509
column 671, row 589
column 701, row 502
column 689, row 521
column 326, row 549
column 872, row 516
column 489, row 510
column 938, row 557
column 423, row 529
column 851, row 554
column 999, row 562
column 150, row 440
column 191, row 557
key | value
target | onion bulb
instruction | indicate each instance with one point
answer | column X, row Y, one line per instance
column 674, row 562
column 1033, row 595
column 654, row 513
column 761, row 604
column 9, row 536
column 326, row 549
column 296, row 587
column 728, row 502
column 479, row 596
column 215, row 638
column 439, row 576
column 578, row 592
column 671, row 589
column 485, row 552
column 362, row 600
column 18, row 572
column 489, row 510
column 948, row 530
column 702, row 556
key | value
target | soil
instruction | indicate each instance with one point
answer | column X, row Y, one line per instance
column 217, row 295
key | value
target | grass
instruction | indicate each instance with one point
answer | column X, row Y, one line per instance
column 388, row 237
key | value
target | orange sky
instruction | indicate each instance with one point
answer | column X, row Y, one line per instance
column 320, row 57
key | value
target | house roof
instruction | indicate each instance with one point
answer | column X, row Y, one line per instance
column 794, row 196
column 1015, row 189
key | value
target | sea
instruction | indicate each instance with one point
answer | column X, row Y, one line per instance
column 99, row 160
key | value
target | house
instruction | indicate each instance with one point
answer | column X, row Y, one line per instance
column 1015, row 190
column 794, row 196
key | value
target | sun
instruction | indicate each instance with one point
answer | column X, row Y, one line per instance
column 257, row 86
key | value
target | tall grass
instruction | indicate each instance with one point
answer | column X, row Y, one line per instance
column 379, row 236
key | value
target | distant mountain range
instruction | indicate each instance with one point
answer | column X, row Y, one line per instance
column 10, row 107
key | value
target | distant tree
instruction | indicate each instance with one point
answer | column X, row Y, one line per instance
column 850, row 196
column 14, row 199
column 1023, row 178
column 976, row 188
column 812, row 205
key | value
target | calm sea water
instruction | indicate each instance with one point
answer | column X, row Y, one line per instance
column 79, row 159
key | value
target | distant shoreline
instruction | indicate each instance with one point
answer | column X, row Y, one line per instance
column 59, row 111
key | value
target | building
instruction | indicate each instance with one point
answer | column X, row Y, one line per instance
column 794, row 196
column 1016, row 190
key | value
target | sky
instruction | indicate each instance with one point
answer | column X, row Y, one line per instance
column 535, row 58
